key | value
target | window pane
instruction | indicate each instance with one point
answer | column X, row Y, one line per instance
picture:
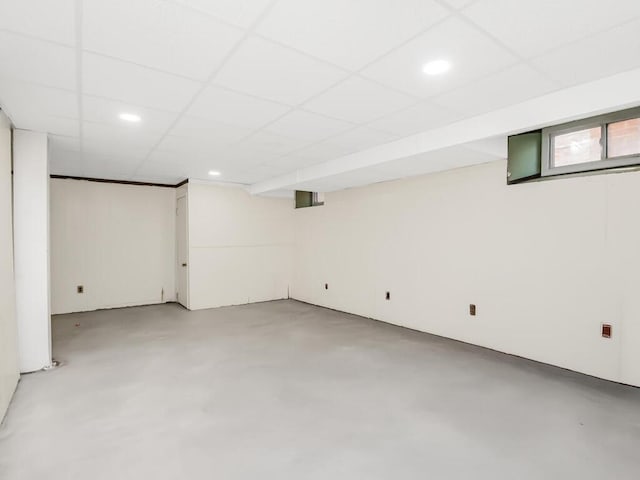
column 623, row 138
column 304, row 199
column 582, row 146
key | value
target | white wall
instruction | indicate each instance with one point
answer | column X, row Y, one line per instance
column 545, row 263
column 9, row 371
column 31, row 248
column 118, row 241
column 240, row 247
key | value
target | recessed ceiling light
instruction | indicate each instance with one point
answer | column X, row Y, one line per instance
column 213, row 173
column 130, row 117
column 436, row 67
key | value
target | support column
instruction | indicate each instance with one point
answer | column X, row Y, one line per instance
column 31, row 248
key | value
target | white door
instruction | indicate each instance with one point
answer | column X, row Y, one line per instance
column 182, row 253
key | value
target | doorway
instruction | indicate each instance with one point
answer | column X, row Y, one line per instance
column 182, row 254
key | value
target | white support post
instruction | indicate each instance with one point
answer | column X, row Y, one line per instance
column 31, row 248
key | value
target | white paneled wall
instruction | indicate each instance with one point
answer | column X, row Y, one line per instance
column 545, row 263
column 9, row 370
column 117, row 241
column 240, row 247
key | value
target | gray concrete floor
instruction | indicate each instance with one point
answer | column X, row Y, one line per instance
column 285, row 390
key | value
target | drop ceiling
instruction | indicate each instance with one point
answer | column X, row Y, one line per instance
column 260, row 89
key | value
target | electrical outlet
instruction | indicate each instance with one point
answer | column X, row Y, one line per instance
column 606, row 330
column 388, row 296
column 80, row 289
column 472, row 309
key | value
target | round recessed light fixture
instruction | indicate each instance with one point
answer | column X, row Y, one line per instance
column 130, row 117
column 436, row 67
column 213, row 173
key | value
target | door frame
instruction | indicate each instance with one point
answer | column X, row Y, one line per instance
column 180, row 270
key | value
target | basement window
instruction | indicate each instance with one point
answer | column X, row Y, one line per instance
column 606, row 141
column 309, row 199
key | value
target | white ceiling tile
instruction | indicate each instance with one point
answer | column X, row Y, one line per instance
column 268, row 170
column 349, row 33
column 41, row 109
column 244, row 156
column 608, row 53
column 320, row 152
column 176, row 169
column 183, row 150
column 294, row 161
column 471, row 53
column 513, row 85
column 110, row 161
column 247, row 177
column 270, row 71
column 458, row 4
column 149, row 170
column 181, row 163
column 273, row 144
column 61, row 154
column 238, row 12
column 54, row 125
column 193, row 148
column 359, row 100
column 419, row 118
column 360, row 139
column 257, row 173
column 37, row 61
column 137, row 85
column 232, row 178
column 61, row 163
column 125, row 141
column 236, row 109
column 164, row 157
column 66, row 162
column 308, row 126
column 58, row 142
column 101, row 110
column 158, row 34
column 28, row 103
column 46, row 19
column 531, row 28
column 108, row 166
column 210, row 130
column 113, row 154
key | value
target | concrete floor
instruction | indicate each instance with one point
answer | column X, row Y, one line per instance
column 285, row 390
